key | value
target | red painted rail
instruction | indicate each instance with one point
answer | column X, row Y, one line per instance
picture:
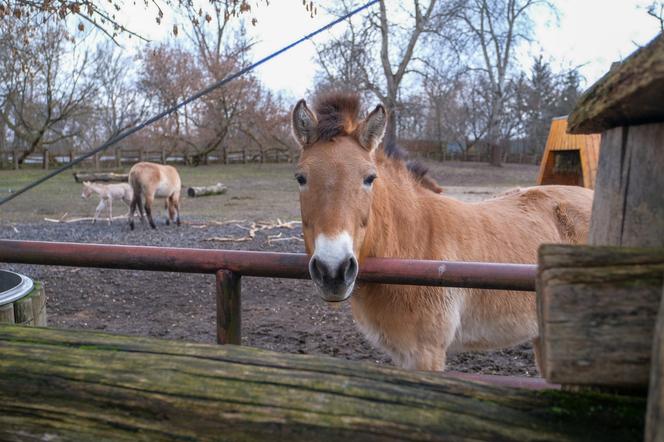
column 267, row 264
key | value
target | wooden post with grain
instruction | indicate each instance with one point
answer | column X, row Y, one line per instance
column 229, row 325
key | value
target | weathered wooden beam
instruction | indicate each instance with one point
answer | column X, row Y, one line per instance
column 597, row 308
column 73, row 385
column 79, row 177
column 655, row 413
column 632, row 93
column 215, row 189
column 628, row 209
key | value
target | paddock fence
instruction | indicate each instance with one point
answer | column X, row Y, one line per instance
column 229, row 266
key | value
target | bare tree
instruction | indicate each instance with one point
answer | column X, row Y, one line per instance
column 496, row 27
column 47, row 85
column 106, row 16
column 656, row 10
column 394, row 40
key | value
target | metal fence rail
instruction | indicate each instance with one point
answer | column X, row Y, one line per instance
column 230, row 265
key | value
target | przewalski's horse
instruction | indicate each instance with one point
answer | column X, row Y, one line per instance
column 107, row 193
column 359, row 201
column 150, row 181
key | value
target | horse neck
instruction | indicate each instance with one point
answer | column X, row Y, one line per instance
column 98, row 188
column 402, row 214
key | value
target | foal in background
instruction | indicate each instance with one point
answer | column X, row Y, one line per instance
column 107, row 193
column 359, row 200
column 150, row 181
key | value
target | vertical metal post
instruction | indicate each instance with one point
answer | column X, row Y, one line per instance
column 229, row 320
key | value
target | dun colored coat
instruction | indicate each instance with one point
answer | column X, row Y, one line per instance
column 359, row 200
column 150, row 181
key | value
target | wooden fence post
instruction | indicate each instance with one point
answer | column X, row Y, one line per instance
column 229, row 321
column 15, row 158
column 45, row 159
column 96, row 160
column 655, row 411
column 118, row 157
column 141, row 154
column 163, row 156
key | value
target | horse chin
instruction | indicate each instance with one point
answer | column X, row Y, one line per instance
column 339, row 294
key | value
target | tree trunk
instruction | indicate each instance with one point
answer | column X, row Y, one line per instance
column 79, row 177
column 75, row 385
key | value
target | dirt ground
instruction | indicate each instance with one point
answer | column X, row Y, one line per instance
column 277, row 314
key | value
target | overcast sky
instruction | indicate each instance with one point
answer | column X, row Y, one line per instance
column 588, row 33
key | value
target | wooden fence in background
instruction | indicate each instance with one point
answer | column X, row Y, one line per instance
column 123, row 156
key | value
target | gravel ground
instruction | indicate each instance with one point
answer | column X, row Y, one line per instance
column 281, row 315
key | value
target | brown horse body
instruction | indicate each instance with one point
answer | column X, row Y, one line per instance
column 150, row 181
column 348, row 215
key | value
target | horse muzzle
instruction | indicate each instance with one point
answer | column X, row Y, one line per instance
column 334, row 279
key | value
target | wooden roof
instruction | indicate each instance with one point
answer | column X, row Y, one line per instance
column 630, row 94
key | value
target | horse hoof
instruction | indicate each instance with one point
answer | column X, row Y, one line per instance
column 168, row 223
column 131, row 226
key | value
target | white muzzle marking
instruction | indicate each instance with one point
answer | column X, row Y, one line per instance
column 333, row 254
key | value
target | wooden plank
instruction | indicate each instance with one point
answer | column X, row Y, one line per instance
column 23, row 313
column 148, row 389
column 629, row 94
column 628, row 208
column 655, row 413
column 7, row 314
column 597, row 308
column 38, row 296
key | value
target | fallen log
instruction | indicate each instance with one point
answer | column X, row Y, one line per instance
column 79, row 177
column 216, row 189
column 76, row 385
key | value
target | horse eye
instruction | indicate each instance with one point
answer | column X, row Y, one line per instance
column 301, row 179
column 368, row 181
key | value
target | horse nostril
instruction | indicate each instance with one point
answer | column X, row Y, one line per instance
column 316, row 269
column 350, row 270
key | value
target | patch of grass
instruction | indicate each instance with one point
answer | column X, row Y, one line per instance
column 255, row 191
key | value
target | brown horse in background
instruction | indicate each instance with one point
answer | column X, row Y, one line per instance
column 150, row 181
column 359, row 201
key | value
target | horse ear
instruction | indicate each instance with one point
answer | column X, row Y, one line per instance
column 304, row 124
column 373, row 128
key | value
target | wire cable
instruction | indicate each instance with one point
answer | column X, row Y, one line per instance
column 196, row 96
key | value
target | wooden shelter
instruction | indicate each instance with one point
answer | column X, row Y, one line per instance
column 569, row 159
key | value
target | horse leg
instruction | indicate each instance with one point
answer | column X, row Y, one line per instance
column 101, row 206
column 149, row 199
column 175, row 203
column 167, row 211
column 127, row 202
column 172, row 210
column 135, row 202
